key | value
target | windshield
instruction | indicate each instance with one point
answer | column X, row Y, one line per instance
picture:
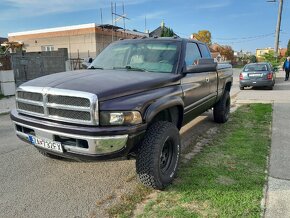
column 256, row 67
column 134, row 55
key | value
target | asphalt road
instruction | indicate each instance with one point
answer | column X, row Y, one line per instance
column 32, row 185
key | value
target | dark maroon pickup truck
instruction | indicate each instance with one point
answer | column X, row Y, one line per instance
column 131, row 101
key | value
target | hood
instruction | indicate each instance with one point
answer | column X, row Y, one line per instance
column 106, row 84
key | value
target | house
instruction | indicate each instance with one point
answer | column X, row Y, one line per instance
column 215, row 50
column 158, row 31
column 262, row 51
column 82, row 41
column 242, row 54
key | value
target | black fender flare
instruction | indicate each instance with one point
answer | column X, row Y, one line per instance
column 162, row 104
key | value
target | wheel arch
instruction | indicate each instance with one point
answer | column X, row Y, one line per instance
column 166, row 109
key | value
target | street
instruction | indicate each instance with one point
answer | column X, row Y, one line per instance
column 35, row 186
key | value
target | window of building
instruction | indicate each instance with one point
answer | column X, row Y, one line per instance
column 47, row 48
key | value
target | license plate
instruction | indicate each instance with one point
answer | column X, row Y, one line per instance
column 46, row 143
column 255, row 74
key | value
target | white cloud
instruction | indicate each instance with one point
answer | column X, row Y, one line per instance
column 214, row 5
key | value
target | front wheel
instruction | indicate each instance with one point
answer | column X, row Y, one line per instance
column 221, row 110
column 158, row 156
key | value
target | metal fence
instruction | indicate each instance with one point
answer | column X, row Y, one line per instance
column 31, row 65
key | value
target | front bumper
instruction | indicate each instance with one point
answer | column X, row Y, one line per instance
column 256, row 83
column 80, row 142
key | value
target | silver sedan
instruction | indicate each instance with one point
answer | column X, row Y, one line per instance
column 258, row 75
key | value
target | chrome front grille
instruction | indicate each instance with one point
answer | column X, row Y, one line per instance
column 58, row 104
column 68, row 100
column 30, row 107
column 70, row 114
column 30, row 96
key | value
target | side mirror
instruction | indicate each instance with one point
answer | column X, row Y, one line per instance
column 202, row 65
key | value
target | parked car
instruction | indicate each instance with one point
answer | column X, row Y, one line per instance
column 258, row 75
column 131, row 101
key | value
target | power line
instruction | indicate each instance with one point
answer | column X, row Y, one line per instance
column 248, row 37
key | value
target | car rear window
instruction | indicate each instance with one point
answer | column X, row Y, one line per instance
column 256, row 67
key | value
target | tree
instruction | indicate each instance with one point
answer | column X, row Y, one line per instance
column 253, row 59
column 227, row 52
column 2, row 49
column 270, row 57
column 288, row 49
column 167, row 32
column 203, row 36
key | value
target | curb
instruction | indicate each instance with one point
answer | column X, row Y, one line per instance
column 4, row 112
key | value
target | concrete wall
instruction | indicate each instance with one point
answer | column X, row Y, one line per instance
column 30, row 65
column 7, row 84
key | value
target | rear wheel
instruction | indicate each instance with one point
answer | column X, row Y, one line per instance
column 158, row 156
column 242, row 87
column 221, row 110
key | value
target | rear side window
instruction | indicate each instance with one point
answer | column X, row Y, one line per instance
column 204, row 51
column 192, row 54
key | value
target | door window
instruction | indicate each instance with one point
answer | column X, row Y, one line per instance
column 204, row 51
column 192, row 55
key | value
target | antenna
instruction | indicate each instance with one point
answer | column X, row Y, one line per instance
column 101, row 16
column 123, row 18
column 119, row 16
column 112, row 12
column 145, row 25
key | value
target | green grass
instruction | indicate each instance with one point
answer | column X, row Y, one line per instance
column 226, row 178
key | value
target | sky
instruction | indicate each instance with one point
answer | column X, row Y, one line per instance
column 243, row 24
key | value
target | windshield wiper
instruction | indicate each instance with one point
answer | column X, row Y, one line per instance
column 93, row 68
column 128, row 67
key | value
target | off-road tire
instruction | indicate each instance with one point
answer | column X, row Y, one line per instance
column 52, row 156
column 221, row 110
column 158, row 155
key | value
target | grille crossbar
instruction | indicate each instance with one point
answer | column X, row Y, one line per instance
column 58, row 104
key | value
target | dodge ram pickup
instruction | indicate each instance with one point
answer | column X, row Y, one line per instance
column 130, row 102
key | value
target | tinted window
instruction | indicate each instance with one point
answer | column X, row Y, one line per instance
column 153, row 56
column 192, row 54
column 204, row 51
column 255, row 67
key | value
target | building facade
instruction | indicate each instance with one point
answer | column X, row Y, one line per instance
column 82, row 41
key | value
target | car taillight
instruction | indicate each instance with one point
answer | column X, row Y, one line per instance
column 270, row 76
column 241, row 76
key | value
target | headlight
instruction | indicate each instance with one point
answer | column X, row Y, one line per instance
column 120, row 118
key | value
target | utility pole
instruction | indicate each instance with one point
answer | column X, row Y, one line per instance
column 277, row 35
column 277, row 32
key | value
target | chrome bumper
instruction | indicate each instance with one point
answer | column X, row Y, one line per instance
column 94, row 145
